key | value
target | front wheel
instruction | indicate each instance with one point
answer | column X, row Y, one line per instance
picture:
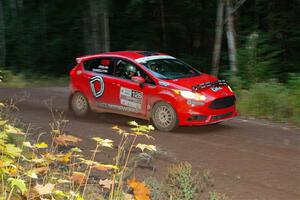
column 164, row 117
column 79, row 104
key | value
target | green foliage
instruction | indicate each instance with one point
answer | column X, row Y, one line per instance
column 41, row 38
column 31, row 168
column 20, row 80
column 155, row 188
column 5, row 75
column 293, row 97
column 181, row 184
column 272, row 100
column 18, row 184
column 217, row 196
column 34, row 170
column 258, row 59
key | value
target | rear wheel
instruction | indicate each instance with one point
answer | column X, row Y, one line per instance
column 164, row 117
column 79, row 104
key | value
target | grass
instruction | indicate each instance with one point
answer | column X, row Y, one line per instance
column 8, row 79
column 271, row 100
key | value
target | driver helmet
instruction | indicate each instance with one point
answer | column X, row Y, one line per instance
column 130, row 68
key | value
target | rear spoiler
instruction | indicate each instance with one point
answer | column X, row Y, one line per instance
column 209, row 84
column 83, row 58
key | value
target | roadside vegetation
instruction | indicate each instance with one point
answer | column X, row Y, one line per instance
column 272, row 100
column 22, row 80
column 264, row 90
column 50, row 165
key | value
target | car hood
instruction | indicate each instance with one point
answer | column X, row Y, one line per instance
column 188, row 83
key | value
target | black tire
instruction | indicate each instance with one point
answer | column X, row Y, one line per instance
column 79, row 105
column 164, row 117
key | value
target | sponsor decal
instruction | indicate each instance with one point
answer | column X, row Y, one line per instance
column 193, row 102
column 102, row 67
column 147, row 58
column 97, row 81
column 216, row 88
column 125, row 92
column 131, row 104
column 131, row 98
column 117, row 107
column 137, row 94
column 210, row 84
column 100, row 70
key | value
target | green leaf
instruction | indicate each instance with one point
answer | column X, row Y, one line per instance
column 78, row 197
column 12, row 150
column 27, row 144
column 32, row 175
column 12, row 130
column 3, row 122
column 5, row 161
column 42, row 145
column 145, row 146
column 59, row 193
column 104, row 142
column 133, row 123
column 18, row 183
column 76, row 149
column 63, row 181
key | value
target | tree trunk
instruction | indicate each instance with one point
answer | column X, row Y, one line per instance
column 2, row 37
column 218, row 38
column 106, row 42
column 20, row 5
column 95, row 34
column 96, row 27
column 13, row 8
column 230, row 33
column 86, row 33
column 163, row 24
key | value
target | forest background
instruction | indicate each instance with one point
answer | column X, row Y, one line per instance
column 259, row 41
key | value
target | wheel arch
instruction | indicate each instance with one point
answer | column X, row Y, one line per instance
column 162, row 98
column 72, row 93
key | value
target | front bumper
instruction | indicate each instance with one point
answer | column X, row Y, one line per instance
column 204, row 114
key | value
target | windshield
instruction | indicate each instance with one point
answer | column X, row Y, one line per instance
column 170, row 68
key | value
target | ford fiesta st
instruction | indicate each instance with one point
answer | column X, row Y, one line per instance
column 152, row 86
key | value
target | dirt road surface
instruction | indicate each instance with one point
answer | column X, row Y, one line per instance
column 249, row 159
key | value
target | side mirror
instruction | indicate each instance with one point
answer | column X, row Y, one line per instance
column 138, row 79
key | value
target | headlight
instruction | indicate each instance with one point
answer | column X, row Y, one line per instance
column 190, row 95
column 229, row 88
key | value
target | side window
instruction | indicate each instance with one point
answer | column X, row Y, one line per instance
column 99, row 65
column 147, row 78
column 125, row 69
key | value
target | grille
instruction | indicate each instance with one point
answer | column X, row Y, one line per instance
column 223, row 102
column 216, row 117
column 197, row 118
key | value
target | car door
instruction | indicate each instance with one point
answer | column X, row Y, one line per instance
column 97, row 80
column 128, row 95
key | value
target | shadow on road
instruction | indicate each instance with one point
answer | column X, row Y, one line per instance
column 120, row 120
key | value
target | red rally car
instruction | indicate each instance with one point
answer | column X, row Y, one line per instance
column 152, row 86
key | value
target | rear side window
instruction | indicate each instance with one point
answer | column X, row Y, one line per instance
column 99, row 65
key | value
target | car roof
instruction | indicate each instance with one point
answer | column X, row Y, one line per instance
column 128, row 54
